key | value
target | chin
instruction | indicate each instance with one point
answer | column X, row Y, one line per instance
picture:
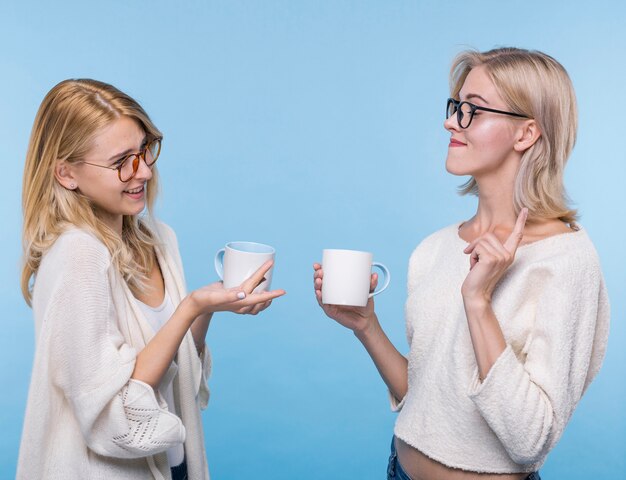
column 135, row 211
column 455, row 169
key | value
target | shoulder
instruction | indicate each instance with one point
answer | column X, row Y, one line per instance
column 565, row 265
column 75, row 266
column 77, row 246
column 431, row 251
column 572, row 253
column 442, row 239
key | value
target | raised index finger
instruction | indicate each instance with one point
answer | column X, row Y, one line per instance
column 257, row 277
column 517, row 234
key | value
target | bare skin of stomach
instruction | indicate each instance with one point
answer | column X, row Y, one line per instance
column 420, row 467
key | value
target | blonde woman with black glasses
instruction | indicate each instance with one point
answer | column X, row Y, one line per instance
column 507, row 313
column 120, row 368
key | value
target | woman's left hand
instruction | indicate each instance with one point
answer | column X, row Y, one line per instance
column 489, row 259
column 215, row 298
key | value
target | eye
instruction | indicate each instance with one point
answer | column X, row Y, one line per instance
column 466, row 109
column 118, row 163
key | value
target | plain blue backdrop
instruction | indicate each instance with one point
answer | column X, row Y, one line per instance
column 311, row 125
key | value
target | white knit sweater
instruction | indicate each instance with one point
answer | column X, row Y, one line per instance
column 85, row 416
column 553, row 308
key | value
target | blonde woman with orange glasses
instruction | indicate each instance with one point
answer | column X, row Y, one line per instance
column 120, row 368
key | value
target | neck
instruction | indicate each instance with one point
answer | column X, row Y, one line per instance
column 495, row 200
column 494, row 211
column 114, row 222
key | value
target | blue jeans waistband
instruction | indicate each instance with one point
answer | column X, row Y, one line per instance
column 394, row 468
column 396, row 472
column 179, row 472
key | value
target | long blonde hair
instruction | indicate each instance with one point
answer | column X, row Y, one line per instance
column 69, row 118
column 535, row 85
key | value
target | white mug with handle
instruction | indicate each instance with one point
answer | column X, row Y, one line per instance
column 347, row 276
column 239, row 260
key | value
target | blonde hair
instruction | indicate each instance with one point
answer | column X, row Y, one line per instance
column 69, row 118
column 535, row 85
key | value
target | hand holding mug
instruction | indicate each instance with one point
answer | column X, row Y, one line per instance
column 345, row 285
column 354, row 318
column 241, row 299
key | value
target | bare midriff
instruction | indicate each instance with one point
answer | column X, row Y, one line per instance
column 420, row 467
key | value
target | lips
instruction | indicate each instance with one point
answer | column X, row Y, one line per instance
column 456, row 143
column 133, row 191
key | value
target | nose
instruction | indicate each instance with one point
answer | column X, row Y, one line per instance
column 451, row 123
column 144, row 172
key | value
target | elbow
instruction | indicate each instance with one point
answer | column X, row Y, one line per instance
column 533, row 446
column 527, row 456
column 395, row 402
column 134, row 426
column 136, row 444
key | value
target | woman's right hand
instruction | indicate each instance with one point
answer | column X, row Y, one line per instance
column 215, row 298
column 393, row 367
column 357, row 319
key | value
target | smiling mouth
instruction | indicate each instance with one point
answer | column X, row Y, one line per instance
column 135, row 190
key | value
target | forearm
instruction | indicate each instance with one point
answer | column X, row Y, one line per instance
column 391, row 364
column 199, row 328
column 486, row 334
column 155, row 358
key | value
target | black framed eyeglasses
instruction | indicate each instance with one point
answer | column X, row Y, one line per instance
column 127, row 166
column 465, row 112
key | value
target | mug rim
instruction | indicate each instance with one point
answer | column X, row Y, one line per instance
column 268, row 248
column 344, row 250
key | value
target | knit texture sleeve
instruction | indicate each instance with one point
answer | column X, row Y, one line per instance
column 528, row 397
column 91, row 363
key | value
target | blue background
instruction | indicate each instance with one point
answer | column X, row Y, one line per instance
column 311, row 125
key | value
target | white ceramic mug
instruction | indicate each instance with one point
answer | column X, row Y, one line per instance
column 239, row 260
column 347, row 276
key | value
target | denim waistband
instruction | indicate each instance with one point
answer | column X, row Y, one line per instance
column 396, row 472
column 179, row 472
column 394, row 469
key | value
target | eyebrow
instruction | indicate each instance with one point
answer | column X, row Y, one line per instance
column 128, row 151
column 475, row 95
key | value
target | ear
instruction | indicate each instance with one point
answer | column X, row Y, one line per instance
column 65, row 176
column 529, row 133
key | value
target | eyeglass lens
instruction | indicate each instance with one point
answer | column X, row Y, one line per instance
column 464, row 112
column 131, row 164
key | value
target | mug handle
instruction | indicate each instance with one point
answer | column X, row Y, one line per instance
column 219, row 263
column 387, row 275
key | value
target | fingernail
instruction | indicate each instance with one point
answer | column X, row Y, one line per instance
column 241, row 295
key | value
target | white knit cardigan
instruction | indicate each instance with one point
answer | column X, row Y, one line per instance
column 85, row 417
column 553, row 309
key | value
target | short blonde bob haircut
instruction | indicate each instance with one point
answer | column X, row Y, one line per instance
column 69, row 118
column 535, row 85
